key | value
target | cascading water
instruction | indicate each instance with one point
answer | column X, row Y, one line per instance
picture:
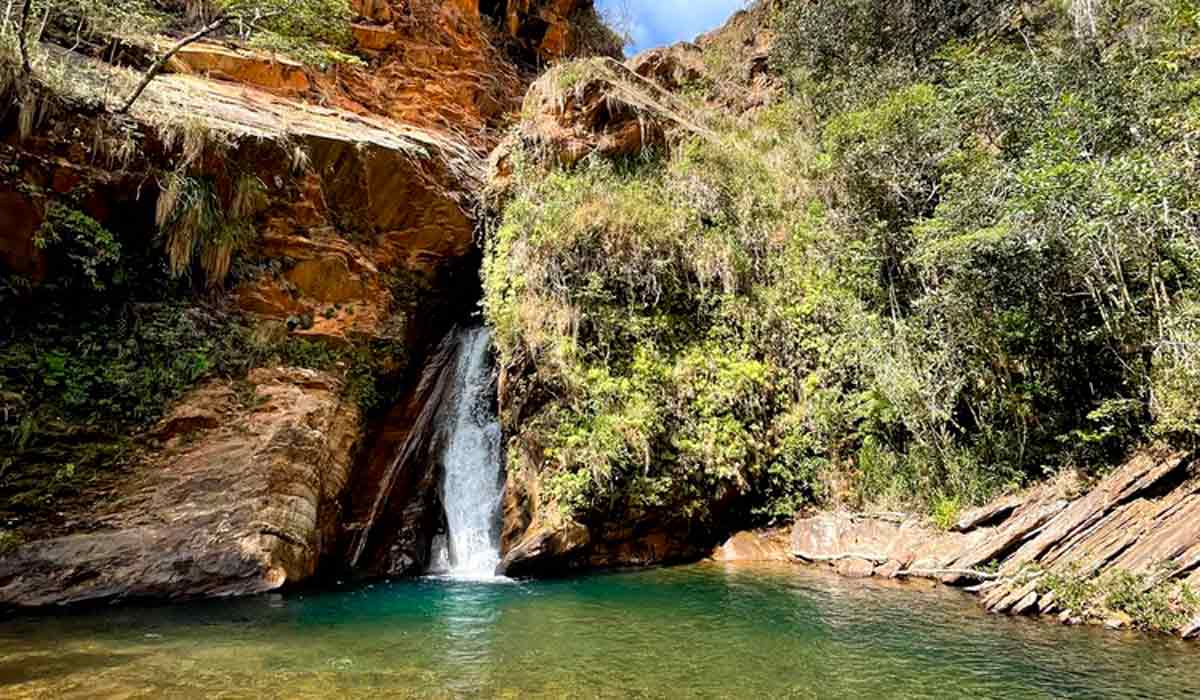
column 472, row 482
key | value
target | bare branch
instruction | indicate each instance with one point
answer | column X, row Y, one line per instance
column 155, row 69
column 22, row 40
column 938, row 573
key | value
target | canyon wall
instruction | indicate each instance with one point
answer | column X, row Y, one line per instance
column 360, row 254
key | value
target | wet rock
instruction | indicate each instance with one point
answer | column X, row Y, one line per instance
column 827, row 536
column 394, row 508
column 1139, row 519
column 546, row 552
column 855, row 568
column 1118, row 621
column 1026, row 604
column 767, row 545
column 891, row 569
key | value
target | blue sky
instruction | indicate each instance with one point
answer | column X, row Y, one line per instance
column 663, row 22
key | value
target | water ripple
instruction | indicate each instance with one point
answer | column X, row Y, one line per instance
column 705, row 631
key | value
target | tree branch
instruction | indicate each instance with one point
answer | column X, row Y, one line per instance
column 873, row 558
column 938, row 573
column 22, row 40
column 155, row 69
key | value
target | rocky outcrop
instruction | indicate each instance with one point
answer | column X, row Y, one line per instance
column 459, row 67
column 1141, row 520
column 365, row 227
column 333, row 181
column 751, row 546
column 599, row 107
column 673, row 67
column 539, row 540
column 243, row 497
column 553, row 29
column 273, row 73
column 394, row 505
column 565, row 546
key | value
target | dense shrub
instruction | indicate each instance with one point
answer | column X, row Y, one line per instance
column 963, row 254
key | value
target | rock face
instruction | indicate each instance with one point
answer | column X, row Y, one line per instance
column 766, row 545
column 554, row 550
column 1141, row 519
column 242, row 498
column 538, row 540
column 601, row 107
column 394, row 501
column 272, row 73
column 365, row 243
column 445, row 65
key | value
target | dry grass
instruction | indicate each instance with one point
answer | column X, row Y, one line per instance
column 568, row 86
column 196, row 224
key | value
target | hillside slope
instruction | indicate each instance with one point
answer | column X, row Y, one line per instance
column 844, row 254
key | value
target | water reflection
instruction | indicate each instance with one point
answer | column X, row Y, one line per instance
column 709, row 631
column 467, row 615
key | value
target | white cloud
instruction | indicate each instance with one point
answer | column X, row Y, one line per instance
column 662, row 22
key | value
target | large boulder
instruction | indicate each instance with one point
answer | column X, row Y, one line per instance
column 244, row 497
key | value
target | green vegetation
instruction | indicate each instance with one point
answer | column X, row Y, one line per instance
column 100, row 349
column 602, row 35
column 315, row 32
column 960, row 253
column 93, row 252
column 1160, row 606
column 129, row 34
column 195, row 223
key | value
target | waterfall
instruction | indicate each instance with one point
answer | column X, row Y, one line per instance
column 472, row 479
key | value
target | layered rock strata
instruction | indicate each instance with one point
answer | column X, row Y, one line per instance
column 242, row 498
column 1142, row 520
column 366, row 239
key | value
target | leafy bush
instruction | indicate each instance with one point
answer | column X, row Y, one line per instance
column 110, row 369
column 961, row 255
column 90, row 251
column 831, row 37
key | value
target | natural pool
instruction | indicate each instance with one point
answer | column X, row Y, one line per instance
column 707, row 630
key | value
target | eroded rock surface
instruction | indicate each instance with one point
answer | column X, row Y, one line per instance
column 539, row 540
column 1143, row 519
column 243, row 498
column 748, row 546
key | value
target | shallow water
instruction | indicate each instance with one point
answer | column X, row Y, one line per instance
column 700, row 631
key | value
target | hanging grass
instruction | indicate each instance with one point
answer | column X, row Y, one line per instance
column 197, row 226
